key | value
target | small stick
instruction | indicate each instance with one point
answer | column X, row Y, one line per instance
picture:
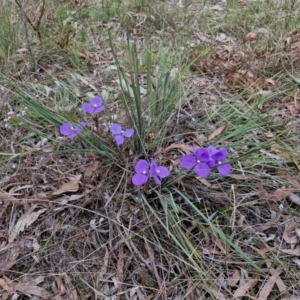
column 37, row 27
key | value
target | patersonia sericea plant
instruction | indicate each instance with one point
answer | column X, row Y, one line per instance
column 201, row 160
column 119, row 134
column 204, row 159
column 144, row 170
column 68, row 130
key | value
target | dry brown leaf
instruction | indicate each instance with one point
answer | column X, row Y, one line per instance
column 71, row 291
column 204, row 181
column 268, row 286
column 288, row 43
column 208, row 184
column 217, row 132
column 295, row 46
column 32, row 289
column 295, row 94
column 239, row 177
column 241, row 291
column 218, row 294
column 60, row 286
column 221, row 246
column 190, row 292
column 90, row 170
column 191, row 228
column 288, row 177
column 280, row 284
column 79, row 3
column 9, row 246
column 153, row 264
column 67, row 198
column 32, row 242
column 203, row 37
column 261, row 191
column 211, row 251
column 291, row 107
column 269, row 84
column 290, row 236
column 281, row 194
column 183, row 147
column 71, row 185
column 120, row 267
column 6, row 287
column 235, row 278
column 26, row 220
column 293, row 252
column 251, row 36
column 104, row 264
column 4, row 196
column 229, row 49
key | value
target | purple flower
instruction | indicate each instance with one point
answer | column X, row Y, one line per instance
column 70, row 131
column 94, row 107
column 219, row 157
column 199, row 160
column 158, row 172
column 144, row 171
column 120, row 135
column 211, row 151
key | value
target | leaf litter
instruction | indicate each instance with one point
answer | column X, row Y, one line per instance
column 117, row 259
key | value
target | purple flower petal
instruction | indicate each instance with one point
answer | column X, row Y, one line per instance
column 153, row 166
column 88, row 108
column 162, row 172
column 224, row 169
column 72, row 135
column 128, row 133
column 188, row 161
column 99, row 109
column 79, row 127
column 81, row 124
column 211, row 150
column 66, row 129
column 194, row 148
column 142, row 166
column 156, row 179
column 116, row 129
column 96, row 101
column 139, row 179
column 119, row 138
column 211, row 163
column 202, row 155
column 202, row 170
column 220, row 155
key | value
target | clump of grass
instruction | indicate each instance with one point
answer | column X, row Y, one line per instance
column 9, row 33
column 150, row 106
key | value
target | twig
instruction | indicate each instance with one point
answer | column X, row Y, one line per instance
column 37, row 27
column 98, row 293
column 39, row 20
column 24, row 17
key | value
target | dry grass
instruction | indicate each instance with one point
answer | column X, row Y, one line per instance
column 72, row 226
